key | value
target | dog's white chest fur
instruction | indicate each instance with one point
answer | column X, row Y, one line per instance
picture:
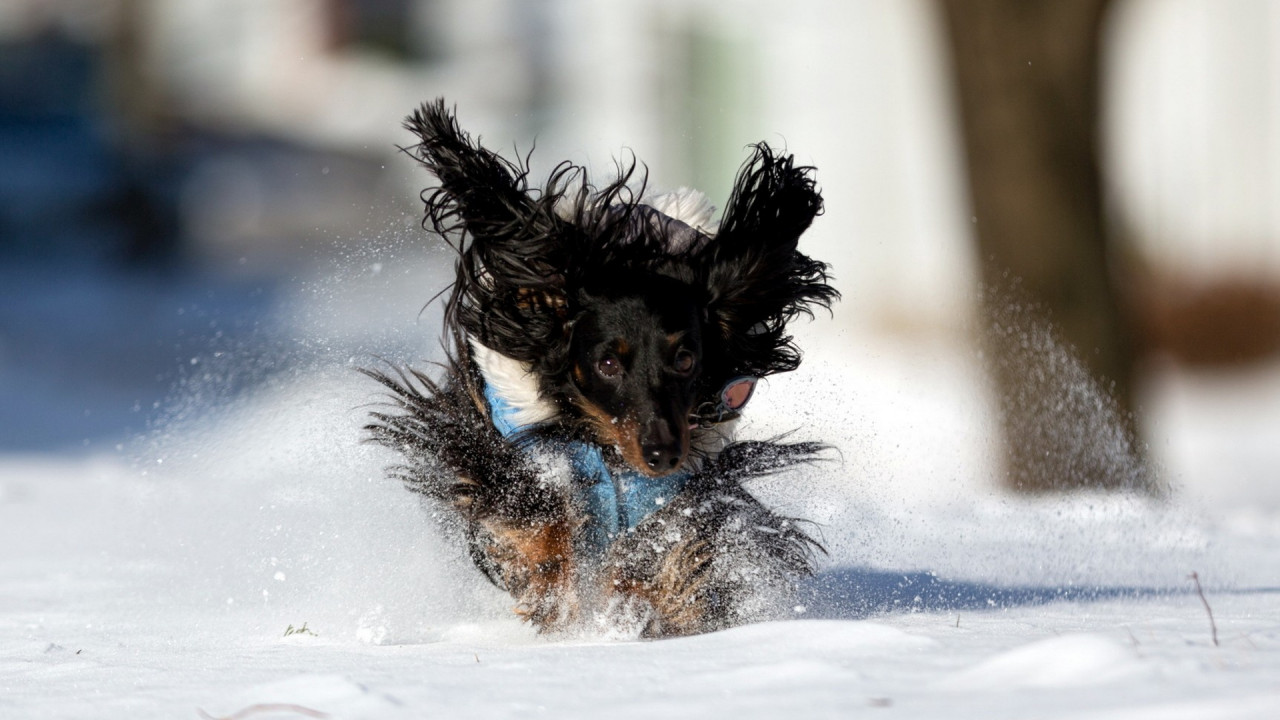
column 515, row 383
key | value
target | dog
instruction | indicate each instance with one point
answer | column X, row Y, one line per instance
column 600, row 346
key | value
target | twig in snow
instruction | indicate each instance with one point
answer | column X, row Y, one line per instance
column 1213, row 627
column 263, row 708
column 304, row 630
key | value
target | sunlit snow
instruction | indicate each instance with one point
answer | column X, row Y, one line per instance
column 159, row 580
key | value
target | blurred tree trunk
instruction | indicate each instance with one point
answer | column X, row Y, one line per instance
column 1027, row 76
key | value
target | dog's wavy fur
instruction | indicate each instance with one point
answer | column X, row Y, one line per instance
column 530, row 265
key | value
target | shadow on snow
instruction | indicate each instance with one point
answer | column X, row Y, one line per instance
column 851, row 593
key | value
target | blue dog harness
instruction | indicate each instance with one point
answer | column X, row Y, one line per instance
column 615, row 500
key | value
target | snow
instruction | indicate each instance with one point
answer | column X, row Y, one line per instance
column 158, row 579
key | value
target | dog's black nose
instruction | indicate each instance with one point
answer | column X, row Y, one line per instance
column 661, row 457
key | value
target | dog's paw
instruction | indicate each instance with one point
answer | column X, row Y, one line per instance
column 681, row 593
column 549, row 609
column 673, row 597
column 536, row 565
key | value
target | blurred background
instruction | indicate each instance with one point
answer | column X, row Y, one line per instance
column 185, row 178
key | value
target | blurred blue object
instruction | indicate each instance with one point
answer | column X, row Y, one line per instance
column 96, row 312
column 66, row 194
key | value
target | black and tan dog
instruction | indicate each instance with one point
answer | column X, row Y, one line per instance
column 601, row 345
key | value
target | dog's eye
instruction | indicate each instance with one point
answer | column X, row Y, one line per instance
column 683, row 361
column 608, row 366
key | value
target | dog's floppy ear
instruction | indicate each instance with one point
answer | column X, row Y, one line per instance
column 509, row 292
column 756, row 278
column 483, row 195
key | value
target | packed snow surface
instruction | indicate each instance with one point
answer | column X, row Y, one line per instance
column 247, row 558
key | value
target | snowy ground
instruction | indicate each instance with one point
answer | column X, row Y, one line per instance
column 157, row 576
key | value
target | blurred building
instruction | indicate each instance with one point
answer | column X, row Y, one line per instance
column 858, row 88
column 249, row 133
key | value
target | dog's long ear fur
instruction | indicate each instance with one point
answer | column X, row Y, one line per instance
column 756, row 279
column 509, row 290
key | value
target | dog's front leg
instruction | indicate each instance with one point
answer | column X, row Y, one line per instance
column 658, row 577
column 519, row 521
column 668, row 599
column 536, row 564
column 709, row 559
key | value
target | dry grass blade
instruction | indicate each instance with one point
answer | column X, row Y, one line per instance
column 1213, row 627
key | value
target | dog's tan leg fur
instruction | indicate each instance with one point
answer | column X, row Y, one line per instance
column 676, row 593
column 538, row 562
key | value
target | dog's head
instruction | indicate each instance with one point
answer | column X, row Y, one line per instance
column 635, row 362
column 638, row 325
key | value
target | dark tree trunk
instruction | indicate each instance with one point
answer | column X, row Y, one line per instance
column 1027, row 79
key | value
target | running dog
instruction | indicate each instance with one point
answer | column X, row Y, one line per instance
column 600, row 346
